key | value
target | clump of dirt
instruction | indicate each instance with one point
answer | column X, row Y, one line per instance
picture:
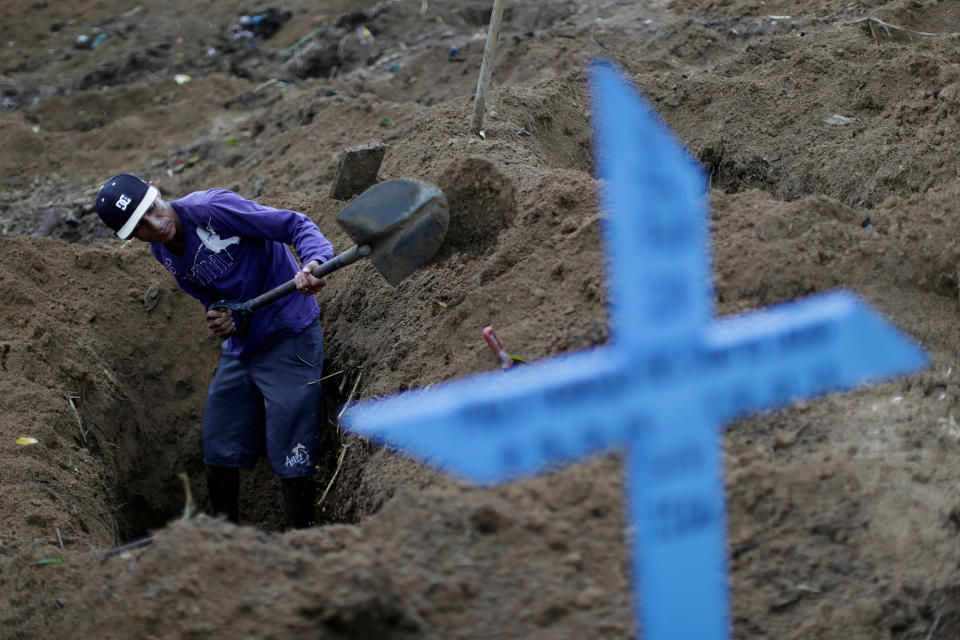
column 481, row 203
column 825, row 128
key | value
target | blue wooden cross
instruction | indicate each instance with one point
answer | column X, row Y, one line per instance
column 662, row 387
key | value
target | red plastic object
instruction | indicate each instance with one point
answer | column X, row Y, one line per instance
column 505, row 360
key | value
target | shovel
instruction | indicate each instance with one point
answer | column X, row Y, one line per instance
column 397, row 224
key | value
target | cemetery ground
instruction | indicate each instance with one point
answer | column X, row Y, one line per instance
column 827, row 130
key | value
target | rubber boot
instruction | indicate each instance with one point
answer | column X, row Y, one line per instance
column 223, row 484
column 298, row 497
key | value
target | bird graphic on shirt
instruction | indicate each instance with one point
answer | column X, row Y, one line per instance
column 213, row 242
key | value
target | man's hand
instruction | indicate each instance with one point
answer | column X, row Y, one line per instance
column 306, row 283
column 220, row 322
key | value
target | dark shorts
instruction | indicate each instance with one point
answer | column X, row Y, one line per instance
column 269, row 403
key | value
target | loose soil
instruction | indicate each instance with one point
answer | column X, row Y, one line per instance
column 828, row 130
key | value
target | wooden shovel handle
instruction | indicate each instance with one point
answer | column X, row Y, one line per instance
column 349, row 256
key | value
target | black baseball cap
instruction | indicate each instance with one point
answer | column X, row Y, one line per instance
column 122, row 202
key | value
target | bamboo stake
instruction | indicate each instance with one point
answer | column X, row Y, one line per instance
column 486, row 67
column 83, row 432
column 189, row 507
column 125, row 547
column 343, row 452
column 346, row 404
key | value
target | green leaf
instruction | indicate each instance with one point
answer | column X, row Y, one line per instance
column 45, row 561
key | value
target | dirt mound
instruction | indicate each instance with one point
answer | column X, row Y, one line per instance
column 825, row 127
column 481, row 203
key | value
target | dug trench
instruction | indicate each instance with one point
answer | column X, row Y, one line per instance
column 111, row 378
column 123, row 377
column 143, row 506
column 112, row 383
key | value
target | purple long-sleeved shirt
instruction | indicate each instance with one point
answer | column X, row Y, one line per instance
column 236, row 250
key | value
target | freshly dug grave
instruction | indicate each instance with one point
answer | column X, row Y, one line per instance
column 826, row 136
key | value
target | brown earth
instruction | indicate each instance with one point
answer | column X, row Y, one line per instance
column 828, row 130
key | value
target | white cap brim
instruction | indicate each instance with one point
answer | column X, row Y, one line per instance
column 141, row 209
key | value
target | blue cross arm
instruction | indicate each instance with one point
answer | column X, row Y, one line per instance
column 824, row 343
column 493, row 427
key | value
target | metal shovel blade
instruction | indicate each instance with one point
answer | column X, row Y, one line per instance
column 404, row 221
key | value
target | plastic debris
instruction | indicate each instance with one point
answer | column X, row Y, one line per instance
column 181, row 163
column 262, row 24
column 838, row 120
column 182, row 78
column 507, row 360
column 27, row 441
column 91, row 40
column 364, row 35
column 453, row 54
column 46, row 561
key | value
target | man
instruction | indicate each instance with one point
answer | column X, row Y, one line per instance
column 265, row 395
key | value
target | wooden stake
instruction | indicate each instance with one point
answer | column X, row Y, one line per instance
column 189, row 507
column 343, row 452
column 83, row 432
column 486, row 67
